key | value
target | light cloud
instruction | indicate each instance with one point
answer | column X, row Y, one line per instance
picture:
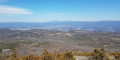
column 3, row 1
column 13, row 10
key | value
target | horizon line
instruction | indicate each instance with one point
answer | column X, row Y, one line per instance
column 55, row 21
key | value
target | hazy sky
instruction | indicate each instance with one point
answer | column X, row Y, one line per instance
column 64, row 10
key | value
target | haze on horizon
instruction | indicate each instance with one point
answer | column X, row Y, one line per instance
column 61, row 10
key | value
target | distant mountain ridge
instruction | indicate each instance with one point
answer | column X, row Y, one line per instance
column 113, row 26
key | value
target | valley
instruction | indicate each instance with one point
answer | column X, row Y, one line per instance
column 35, row 40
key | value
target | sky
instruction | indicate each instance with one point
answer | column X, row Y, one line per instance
column 62, row 10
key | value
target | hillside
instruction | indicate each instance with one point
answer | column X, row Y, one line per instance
column 36, row 40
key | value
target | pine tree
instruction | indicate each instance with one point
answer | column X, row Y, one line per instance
column 0, row 50
column 13, row 55
column 68, row 55
column 117, row 55
column 99, row 54
column 47, row 56
column 57, row 55
column 102, row 54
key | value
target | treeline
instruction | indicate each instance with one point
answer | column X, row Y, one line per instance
column 96, row 54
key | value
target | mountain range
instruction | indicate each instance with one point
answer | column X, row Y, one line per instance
column 108, row 26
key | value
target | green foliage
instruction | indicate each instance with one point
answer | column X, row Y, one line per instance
column 31, row 57
column 45, row 52
column 58, row 55
column 84, row 54
column 13, row 55
column 99, row 54
column 116, row 55
column 96, row 54
column 0, row 50
column 68, row 56
column 13, row 58
column 47, row 56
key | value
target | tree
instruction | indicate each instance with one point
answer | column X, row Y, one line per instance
column 0, row 50
column 98, row 54
column 47, row 56
column 116, row 55
column 102, row 53
column 58, row 55
column 68, row 55
column 13, row 55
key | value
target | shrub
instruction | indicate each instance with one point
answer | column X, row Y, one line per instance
column 116, row 55
column 99, row 54
column 47, row 56
column 0, row 50
column 68, row 56
column 31, row 57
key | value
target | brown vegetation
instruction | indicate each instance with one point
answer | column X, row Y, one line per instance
column 96, row 54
